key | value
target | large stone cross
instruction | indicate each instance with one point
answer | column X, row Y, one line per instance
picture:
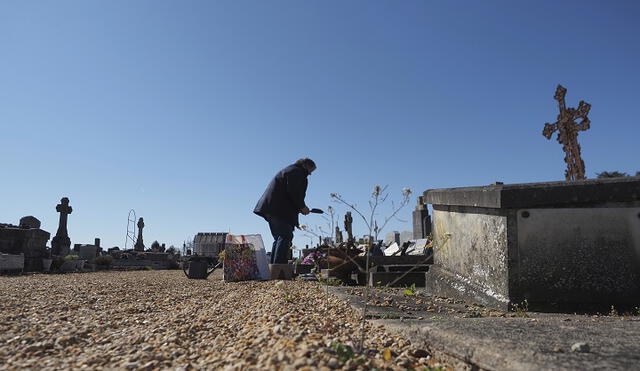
column 61, row 243
column 568, row 133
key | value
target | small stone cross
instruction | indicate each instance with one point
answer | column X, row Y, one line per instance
column 338, row 235
column 348, row 224
column 568, row 133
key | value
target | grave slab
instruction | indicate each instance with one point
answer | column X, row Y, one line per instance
column 397, row 279
column 470, row 337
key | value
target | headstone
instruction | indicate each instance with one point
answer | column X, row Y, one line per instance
column 29, row 222
column 139, row 246
column 569, row 243
column 61, row 243
column 421, row 220
column 339, row 238
column 405, row 236
column 88, row 253
column 392, row 237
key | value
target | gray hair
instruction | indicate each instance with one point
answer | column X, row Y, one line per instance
column 306, row 162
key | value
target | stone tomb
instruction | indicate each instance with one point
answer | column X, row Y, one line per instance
column 553, row 244
column 27, row 239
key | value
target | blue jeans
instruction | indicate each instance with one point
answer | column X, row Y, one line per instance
column 282, row 233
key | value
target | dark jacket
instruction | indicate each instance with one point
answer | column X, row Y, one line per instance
column 284, row 197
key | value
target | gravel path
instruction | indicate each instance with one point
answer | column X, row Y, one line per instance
column 160, row 319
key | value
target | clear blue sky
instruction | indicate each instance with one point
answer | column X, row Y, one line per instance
column 184, row 110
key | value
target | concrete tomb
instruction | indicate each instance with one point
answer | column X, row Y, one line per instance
column 552, row 244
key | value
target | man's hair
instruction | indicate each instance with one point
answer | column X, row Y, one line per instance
column 306, row 162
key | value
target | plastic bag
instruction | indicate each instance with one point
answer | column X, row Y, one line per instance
column 245, row 258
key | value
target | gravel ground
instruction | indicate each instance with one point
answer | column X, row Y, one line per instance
column 160, row 319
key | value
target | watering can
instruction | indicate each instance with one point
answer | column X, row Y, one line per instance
column 199, row 268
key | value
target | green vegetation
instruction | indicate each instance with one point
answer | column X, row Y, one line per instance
column 410, row 291
column 331, row 281
column 343, row 351
column 614, row 174
column 521, row 309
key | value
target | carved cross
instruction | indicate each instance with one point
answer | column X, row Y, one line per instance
column 568, row 130
column 64, row 209
column 139, row 246
column 61, row 243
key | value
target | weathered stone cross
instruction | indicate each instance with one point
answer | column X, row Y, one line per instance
column 348, row 225
column 568, row 133
column 139, row 246
column 61, row 243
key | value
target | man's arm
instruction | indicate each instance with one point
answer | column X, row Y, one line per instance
column 297, row 191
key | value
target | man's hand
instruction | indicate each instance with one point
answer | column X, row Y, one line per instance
column 305, row 211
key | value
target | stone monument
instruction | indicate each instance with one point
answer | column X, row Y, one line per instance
column 61, row 243
column 139, row 246
column 421, row 220
column 568, row 133
column 27, row 240
column 29, row 222
column 339, row 238
column 348, row 224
